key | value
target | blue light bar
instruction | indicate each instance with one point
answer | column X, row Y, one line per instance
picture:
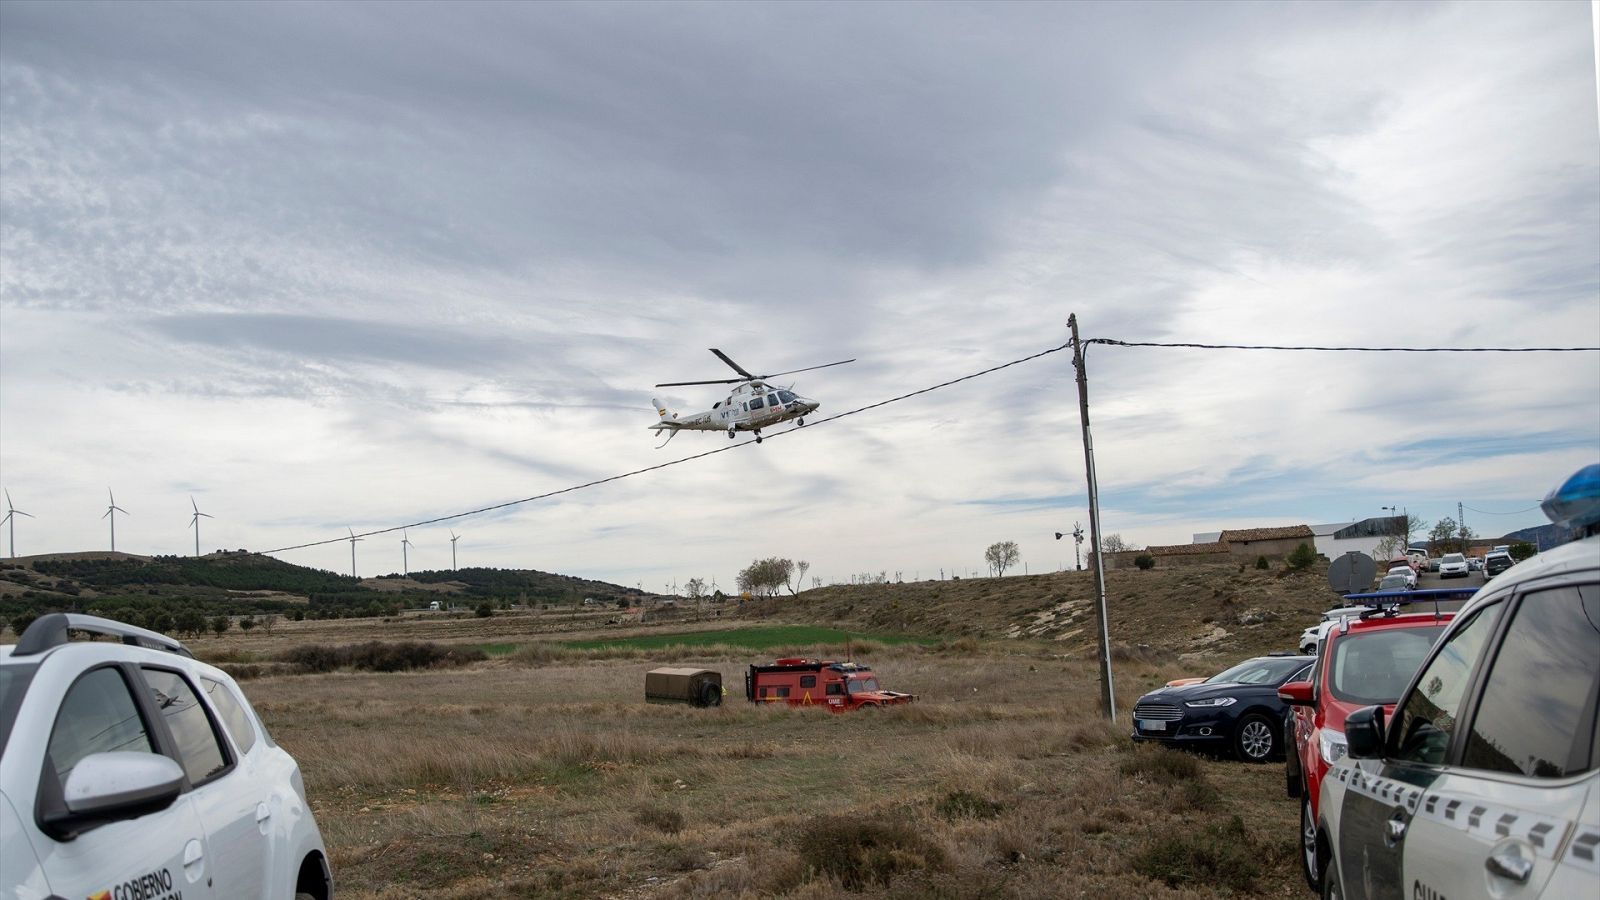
column 1576, row 503
column 1419, row 596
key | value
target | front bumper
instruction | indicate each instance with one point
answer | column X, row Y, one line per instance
column 1192, row 730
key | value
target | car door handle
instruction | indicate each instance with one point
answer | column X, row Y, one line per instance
column 1511, row 865
column 1395, row 829
column 193, row 853
column 263, row 813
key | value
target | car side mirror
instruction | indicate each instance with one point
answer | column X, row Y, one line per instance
column 1363, row 731
column 1295, row 693
column 117, row 785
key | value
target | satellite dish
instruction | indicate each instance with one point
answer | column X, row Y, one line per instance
column 1352, row 572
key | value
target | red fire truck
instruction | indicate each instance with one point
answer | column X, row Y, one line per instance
column 812, row 682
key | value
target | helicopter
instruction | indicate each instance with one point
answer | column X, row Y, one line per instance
column 751, row 405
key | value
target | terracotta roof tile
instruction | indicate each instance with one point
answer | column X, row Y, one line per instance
column 1266, row 534
column 1186, row 549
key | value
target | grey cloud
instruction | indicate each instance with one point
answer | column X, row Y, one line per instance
column 330, row 340
column 755, row 151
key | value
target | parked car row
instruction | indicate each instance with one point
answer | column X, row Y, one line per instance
column 1439, row 753
column 1481, row 778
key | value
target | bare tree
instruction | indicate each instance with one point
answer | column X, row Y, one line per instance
column 268, row 621
column 695, row 588
column 1001, row 556
column 1113, row 543
column 799, row 580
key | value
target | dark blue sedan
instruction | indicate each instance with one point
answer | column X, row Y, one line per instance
column 1238, row 708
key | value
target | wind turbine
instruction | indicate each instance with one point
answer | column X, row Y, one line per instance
column 195, row 523
column 405, row 543
column 11, row 516
column 453, row 538
column 112, row 511
column 353, row 540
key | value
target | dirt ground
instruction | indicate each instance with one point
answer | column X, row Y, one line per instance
column 520, row 779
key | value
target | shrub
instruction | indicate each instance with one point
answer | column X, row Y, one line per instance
column 861, row 852
column 1301, row 558
column 379, row 656
column 1521, row 550
column 966, row 805
column 1261, row 562
column 660, row 818
column 20, row 623
column 485, row 610
column 1216, row 855
column 1161, row 765
column 1145, row 561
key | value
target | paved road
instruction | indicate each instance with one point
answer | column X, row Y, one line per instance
column 1432, row 580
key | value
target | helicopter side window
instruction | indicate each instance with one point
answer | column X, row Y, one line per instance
column 756, row 403
column 785, row 396
column 717, row 405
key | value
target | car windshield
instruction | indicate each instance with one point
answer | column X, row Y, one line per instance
column 1390, row 582
column 1373, row 667
column 1259, row 671
column 1454, row 558
column 860, row 685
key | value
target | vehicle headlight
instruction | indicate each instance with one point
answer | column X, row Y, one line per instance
column 1211, row 703
column 1332, row 746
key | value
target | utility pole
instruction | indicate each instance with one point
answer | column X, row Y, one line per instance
column 1107, row 692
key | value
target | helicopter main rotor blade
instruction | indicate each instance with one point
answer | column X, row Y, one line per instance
column 683, row 383
column 809, row 368
column 731, row 364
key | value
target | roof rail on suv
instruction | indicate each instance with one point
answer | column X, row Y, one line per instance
column 50, row 630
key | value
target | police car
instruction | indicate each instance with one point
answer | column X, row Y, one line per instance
column 131, row 770
column 1486, row 781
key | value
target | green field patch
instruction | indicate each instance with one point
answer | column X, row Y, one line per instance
column 498, row 649
column 760, row 638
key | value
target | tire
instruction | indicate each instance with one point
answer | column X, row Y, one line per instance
column 1255, row 740
column 1313, row 856
column 710, row 695
column 1331, row 888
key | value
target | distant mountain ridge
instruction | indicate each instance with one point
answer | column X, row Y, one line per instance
column 237, row 583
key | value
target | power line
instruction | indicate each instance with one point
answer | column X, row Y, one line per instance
column 1113, row 342
column 1518, row 512
column 599, row 481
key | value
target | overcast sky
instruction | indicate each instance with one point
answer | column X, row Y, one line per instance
column 327, row 266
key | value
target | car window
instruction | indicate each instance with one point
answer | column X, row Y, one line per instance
column 97, row 716
column 233, row 714
column 199, row 752
column 1424, row 725
column 1257, row 671
column 1538, row 700
column 1374, row 666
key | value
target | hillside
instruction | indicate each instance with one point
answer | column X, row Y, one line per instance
column 129, row 587
column 1168, row 611
column 1158, row 613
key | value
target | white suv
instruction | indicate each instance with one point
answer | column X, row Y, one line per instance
column 1486, row 783
column 132, row 770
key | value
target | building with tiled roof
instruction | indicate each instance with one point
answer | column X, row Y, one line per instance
column 1251, row 535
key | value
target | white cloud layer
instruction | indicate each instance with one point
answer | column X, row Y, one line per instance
column 326, row 266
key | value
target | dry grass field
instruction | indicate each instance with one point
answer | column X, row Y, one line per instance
column 543, row 773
